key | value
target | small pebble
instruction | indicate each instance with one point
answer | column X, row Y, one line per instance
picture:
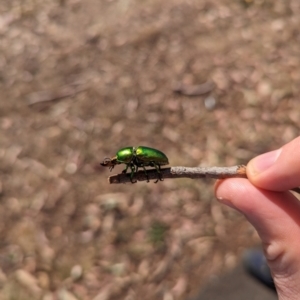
column 28, row 281
column 3, row 278
column 210, row 102
column 63, row 294
column 49, row 296
column 264, row 89
column 86, row 236
column 43, row 280
column 76, row 272
column 118, row 269
column 47, row 255
column 71, row 168
column 13, row 206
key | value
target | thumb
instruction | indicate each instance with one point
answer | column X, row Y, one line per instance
column 275, row 216
column 272, row 210
column 277, row 170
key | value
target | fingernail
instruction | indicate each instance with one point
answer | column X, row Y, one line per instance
column 263, row 162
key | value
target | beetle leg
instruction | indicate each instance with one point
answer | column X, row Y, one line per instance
column 159, row 176
column 125, row 170
column 132, row 173
column 145, row 171
column 136, row 168
column 131, row 165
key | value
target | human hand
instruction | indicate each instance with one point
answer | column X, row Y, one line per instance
column 273, row 210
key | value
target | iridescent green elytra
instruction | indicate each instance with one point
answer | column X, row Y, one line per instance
column 137, row 157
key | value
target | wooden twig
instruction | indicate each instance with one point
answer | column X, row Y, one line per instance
column 185, row 172
column 53, row 95
column 194, row 90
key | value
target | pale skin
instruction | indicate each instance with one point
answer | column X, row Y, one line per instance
column 265, row 200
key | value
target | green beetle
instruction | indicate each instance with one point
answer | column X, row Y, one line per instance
column 137, row 157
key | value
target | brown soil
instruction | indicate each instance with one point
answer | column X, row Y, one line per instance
column 81, row 79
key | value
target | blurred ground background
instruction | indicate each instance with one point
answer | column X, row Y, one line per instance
column 81, row 79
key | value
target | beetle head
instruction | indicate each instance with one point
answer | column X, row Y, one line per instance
column 109, row 162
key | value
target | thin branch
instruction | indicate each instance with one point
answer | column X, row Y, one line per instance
column 193, row 90
column 53, row 95
column 185, row 172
